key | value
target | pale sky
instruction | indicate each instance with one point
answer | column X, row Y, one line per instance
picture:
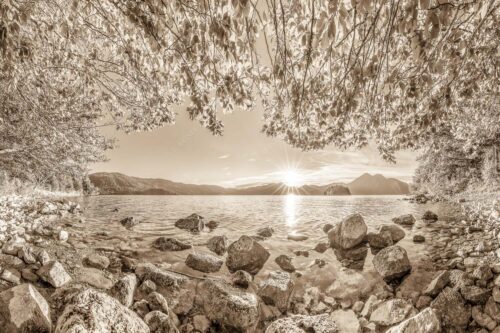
column 187, row 152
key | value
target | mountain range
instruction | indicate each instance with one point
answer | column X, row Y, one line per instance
column 120, row 184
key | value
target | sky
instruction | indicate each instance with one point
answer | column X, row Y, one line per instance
column 186, row 152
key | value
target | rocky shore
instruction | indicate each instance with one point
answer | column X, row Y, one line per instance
column 49, row 283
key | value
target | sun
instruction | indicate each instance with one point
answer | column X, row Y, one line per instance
column 292, row 178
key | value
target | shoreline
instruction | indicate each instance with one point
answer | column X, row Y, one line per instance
column 275, row 302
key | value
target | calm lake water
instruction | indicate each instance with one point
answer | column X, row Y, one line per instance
column 240, row 215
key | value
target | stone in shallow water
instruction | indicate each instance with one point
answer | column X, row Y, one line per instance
column 129, row 222
column 246, row 254
column 54, row 273
column 418, row 239
column 430, row 216
column 276, row 290
column 392, row 263
column 91, row 311
column 193, row 223
column 170, row 244
column 97, row 261
column 406, row 219
column 452, row 309
column 396, row 232
column 23, row 309
column 348, row 233
column 265, row 232
column 321, row 247
column 303, row 324
column 379, row 240
column 391, row 312
column 297, row 237
column 229, row 306
column 285, row 263
column 204, row 262
column 218, row 244
column 426, row 321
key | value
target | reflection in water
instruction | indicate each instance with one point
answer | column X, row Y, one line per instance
column 290, row 207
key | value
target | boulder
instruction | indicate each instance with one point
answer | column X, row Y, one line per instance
column 437, row 284
column 241, row 279
column 123, row 290
column 483, row 319
column 54, row 273
column 26, row 254
column 418, row 239
column 396, row 232
column 348, row 233
column 391, row 312
column 392, row 263
column 157, row 302
column 451, row 307
column 276, row 290
column 204, row 262
column 379, row 240
column 159, row 322
column 91, row 311
column 218, row 244
column 212, row 225
column 97, row 261
column 23, row 309
column 285, row 263
column 170, row 244
column 426, row 321
column 246, row 254
column 11, row 275
column 474, row 294
column 492, row 309
column 231, row 307
column 406, row 219
column 193, row 223
column 346, row 321
column 429, row 216
column 129, row 222
column 303, row 324
column 93, row 277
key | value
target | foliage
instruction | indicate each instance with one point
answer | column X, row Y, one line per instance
column 326, row 72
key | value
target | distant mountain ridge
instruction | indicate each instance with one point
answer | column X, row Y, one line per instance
column 119, row 184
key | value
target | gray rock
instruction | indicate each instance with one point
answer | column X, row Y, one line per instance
column 204, row 262
column 11, row 275
column 123, row 290
column 26, row 254
column 241, row 279
column 396, row 232
column 321, row 247
column 97, row 261
column 452, row 309
column 161, row 278
column 437, row 284
column 23, row 309
column 430, row 216
column 492, row 309
column 426, row 321
column 193, row 223
column 474, row 294
column 212, row 225
column 265, row 232
column 159, row 322
column 407, row 219
column 482, row 273
column 231, row 307
column 157, row 302
column 170, row 244
column 327, row 227
column 418, row 239
column 285, row 263
column 218, row 244
column 246, row 254
column 276, row 290
column 391, row 312
column 348, row 233
column 303, row 324
column 346, row 321
column 392, row 263
column 91, row 311
column 379, row 240
column 93, row 277
column 297, row 237
column 483, row 319
column 129, row 222
column 54, row 273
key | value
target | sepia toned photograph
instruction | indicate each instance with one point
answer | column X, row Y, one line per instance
column 249, row 166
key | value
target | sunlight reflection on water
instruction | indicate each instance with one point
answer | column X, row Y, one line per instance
column 290, row 207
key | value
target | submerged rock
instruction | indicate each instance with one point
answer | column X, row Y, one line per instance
column 231, row 307
column 218, row 244
column 212, row 225
column 297, row 237
column 430, row 216
column 193, row 223
column 170, row 244
column 392, row 263
column 23, row 309
column 265, row 232
column 129, row 222
column 418, row 239
column 246, row 254
column 406, row 219
column 348, row 233
column 54, row 273
column 321, row 247
column 285, row 263
column 276, row 290
column 204, row 262
column 303, row 324
column 426, row 321
column 91, row 311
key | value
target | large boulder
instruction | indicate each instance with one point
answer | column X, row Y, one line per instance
column 218, row 244
column 90, row 311
column 276, row 290
column 23, row 309
column 123, row 290
column 203, row 262
column 426, row 321
column 303, row 324
column 392, row 263
column 193, row 223
column 246, row 254
column 452, row 309
column 348, row 233
column 170, row 244
column 391, row 312
column 406, row 219
column 231, row 307
column 54, row 273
